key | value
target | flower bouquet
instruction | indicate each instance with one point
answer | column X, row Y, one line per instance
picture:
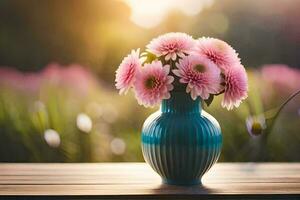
column 181, row 141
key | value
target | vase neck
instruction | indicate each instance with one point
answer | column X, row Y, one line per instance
column 181, row 102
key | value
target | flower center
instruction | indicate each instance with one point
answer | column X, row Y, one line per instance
column 150, row 82
column 200, row 68
column 256, row 128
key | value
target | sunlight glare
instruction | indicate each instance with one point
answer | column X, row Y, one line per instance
column 149, row 13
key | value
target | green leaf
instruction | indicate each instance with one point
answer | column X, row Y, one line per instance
column 149, row 57
column 209, row 100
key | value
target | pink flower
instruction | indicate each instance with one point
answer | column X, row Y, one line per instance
column 236, row 86
column 218, row 51
column 125, row 74
column 281, row 77
column 68, row 77
column 201, row 75
column 23, row 81
column 153, row 84
column 171, row 45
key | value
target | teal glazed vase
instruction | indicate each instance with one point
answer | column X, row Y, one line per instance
column 181, row 141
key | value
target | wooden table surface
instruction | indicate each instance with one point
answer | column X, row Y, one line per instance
column 137, row 180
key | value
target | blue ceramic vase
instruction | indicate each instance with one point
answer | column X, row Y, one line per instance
column 181, row 141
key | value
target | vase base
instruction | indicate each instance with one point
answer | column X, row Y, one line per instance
column 182, row 183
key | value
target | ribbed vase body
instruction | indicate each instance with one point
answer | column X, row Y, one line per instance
column 181, row 141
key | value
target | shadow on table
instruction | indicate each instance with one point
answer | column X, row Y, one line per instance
column 165, row 189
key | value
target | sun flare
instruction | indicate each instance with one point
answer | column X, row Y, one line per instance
column 149, row 13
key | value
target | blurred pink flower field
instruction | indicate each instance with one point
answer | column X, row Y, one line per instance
column 63, row 113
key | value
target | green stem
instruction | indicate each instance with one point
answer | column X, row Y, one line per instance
column 261, row 156
column 284, row 103
column 282, row 106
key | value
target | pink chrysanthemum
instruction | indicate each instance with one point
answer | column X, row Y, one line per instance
column 153, row 84
column 201, row 75
column 171, row 45
column 125, row 74
column 218, row 51
column 236, row 87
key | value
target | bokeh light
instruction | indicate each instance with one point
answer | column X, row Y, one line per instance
column 52, row 138
column 118, row 146
column 84, row 122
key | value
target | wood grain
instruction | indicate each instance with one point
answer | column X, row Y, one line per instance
column 120, row 180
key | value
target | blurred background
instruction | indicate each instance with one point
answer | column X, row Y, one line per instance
column 58, row 59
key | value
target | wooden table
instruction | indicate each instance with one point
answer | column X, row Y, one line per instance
column 137, row 181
